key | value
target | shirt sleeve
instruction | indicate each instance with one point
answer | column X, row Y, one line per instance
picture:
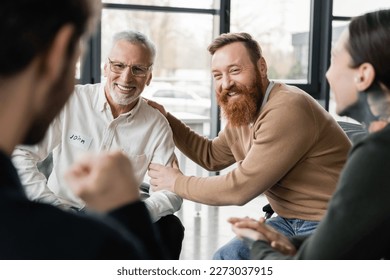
column 162, row 203
column 212, row 155
column 26, row 158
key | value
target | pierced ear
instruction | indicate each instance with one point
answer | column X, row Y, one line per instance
column 57, row 53
column 365, row 77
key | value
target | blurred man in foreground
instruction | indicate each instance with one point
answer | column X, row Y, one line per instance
column 37, row 69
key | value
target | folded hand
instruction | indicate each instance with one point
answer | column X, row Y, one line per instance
column 258, row 230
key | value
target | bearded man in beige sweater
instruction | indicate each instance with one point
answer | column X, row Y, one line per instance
column 285, row 144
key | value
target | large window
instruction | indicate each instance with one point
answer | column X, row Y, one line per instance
column 295, row 35
column 282, row 34
column 351, row 8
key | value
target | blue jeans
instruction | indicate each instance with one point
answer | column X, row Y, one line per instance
column 237, row 250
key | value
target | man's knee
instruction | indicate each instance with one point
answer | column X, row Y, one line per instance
column 218, row 255
column 171, row 225
column 233, row 250
column 172, row 234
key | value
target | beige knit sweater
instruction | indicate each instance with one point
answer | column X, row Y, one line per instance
column 293, row 153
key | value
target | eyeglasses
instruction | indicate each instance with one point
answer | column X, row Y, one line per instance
column 136, row 70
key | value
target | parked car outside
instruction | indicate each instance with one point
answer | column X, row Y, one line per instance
column 178, row 99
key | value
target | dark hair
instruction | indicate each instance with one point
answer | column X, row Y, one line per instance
column 250, row 44
column 28, row 27
column 369, row 41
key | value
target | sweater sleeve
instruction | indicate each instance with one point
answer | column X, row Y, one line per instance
column 212, row 155
column 279, row 142
column 261, row 250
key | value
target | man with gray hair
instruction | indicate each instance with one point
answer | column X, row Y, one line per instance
column 103, row 117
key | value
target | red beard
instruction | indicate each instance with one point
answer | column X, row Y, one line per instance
column 244, row 109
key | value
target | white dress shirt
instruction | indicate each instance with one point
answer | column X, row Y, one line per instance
column 86, row 124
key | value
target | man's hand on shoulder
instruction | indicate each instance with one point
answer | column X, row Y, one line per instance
column 157, row 106
column 163, row 177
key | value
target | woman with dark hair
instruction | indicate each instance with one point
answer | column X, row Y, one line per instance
column 357, row 223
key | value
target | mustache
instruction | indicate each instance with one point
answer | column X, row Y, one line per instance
column 224, row 94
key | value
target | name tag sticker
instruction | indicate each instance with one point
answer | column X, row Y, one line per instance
column 79, row 140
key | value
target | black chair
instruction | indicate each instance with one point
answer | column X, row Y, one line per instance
column 267, row 209
column 354, row 131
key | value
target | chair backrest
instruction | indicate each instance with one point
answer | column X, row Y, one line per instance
column 354, row 131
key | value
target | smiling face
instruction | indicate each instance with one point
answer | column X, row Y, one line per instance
column 123, row 90
column 341, row 77
column 238, row 84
